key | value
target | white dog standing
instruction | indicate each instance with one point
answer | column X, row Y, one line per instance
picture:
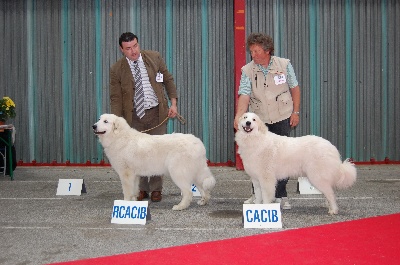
column 133, row 154
column 267, row 157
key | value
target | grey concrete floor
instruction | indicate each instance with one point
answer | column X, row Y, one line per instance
column 38, row 227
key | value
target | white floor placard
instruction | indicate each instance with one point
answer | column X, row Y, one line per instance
column 196, row 192
column 129, row 212
column 305, row 186
column 71, row 187
column 262, row 215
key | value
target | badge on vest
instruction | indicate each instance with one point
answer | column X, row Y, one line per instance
column 280, row 79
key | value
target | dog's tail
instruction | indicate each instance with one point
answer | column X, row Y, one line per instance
column 348, row 175
column 208, row 179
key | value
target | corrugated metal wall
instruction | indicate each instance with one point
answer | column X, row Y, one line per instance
column 61, row 51
column 55, row 58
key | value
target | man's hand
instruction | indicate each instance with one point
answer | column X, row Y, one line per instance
column 173, row 110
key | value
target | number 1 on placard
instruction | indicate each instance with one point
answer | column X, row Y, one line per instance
column 70, row 185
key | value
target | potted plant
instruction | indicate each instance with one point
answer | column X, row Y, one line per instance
column 7, row 109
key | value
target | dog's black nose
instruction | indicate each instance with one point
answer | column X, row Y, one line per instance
column 94, row 126
column 248, row 123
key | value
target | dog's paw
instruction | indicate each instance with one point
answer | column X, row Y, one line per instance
column 178, row 207
column 332, row 212
column 130, row 198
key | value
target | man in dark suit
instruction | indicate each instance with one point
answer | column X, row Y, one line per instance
column 138, row 82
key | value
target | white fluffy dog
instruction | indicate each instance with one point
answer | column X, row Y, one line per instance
column 133, row 154
column 267, row 157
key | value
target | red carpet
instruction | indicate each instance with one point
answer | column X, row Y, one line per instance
column 372, row 240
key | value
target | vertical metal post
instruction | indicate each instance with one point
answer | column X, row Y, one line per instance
column 204, row 76
column 240, row 55
column 66, row 84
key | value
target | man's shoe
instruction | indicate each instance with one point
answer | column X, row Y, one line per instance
column 142, row 195
column 250, row 200
column 156, row 196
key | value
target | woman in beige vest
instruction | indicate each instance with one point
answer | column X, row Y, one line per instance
column 269, row 88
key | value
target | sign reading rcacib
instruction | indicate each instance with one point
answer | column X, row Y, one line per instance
column 129, row 212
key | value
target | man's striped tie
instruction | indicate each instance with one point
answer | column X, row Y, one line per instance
column 139, row 93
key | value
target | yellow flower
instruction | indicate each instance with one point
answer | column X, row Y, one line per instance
column 7, row 108
column 9, row 102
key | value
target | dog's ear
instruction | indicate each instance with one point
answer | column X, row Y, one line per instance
column 116, row 125
column 262, row 128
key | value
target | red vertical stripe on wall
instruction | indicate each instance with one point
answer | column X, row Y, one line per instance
column 240, row 54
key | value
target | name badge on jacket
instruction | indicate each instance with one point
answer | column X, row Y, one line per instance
column 159, row 77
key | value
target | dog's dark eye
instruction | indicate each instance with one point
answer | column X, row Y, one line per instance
column 254, row 119
column 106, row 121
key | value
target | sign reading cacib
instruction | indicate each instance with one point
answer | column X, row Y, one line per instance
column 262, row 215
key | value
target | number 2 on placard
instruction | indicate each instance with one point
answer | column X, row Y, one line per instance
column 70, row 185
